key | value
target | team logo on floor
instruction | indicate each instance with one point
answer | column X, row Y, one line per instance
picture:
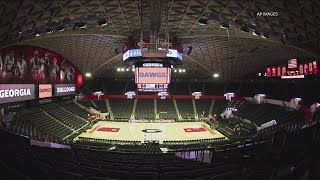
column 151, row 130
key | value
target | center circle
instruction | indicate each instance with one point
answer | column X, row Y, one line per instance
column 151, row 130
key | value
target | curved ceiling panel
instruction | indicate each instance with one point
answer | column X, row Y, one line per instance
column 231, row 53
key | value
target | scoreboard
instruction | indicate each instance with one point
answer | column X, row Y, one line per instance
column 152, row 87
column 132, row 53
column 152, row 77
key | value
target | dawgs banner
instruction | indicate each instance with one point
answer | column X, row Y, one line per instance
column 45, row 90
column 27, row 64
column 16, row 92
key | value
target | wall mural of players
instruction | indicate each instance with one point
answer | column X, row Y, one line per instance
column 26, row 64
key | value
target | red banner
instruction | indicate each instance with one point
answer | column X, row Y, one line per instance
column 108, row 129
column 201, row 129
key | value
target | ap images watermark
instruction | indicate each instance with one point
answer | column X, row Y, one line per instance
column 268, row 14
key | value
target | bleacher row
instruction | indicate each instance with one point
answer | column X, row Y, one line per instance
column 198, row 141
column 60, row 120
column 262, row 113
column 107, row 141
column 56, row 120
column 122, row 109
column 244, row 161
column 281, row 90
column 257, row 113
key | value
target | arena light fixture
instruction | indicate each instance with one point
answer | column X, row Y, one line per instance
column 174, row 70
column 122, row 69
column 245, row 28
column 83, row 27
column 189, row 50
column 256, row 33
column 215, row 75
column 180, row 70
column 203, row 21
column 49, row 31
column 60, row 29
column 88, row 74
column 224, row 25
column 102, row 22
column 183, row 70
column 118, row 69
column 265, row 35
column 79, row 25
column 127, row 69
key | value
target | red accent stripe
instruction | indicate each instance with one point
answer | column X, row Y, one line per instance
column 201, row 129
column 108, row 129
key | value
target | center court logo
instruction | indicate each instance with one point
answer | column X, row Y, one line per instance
column 151, row 130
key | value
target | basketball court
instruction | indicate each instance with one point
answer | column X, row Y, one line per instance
column 128, row 131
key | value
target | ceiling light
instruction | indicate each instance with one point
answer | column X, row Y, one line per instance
column 256, row 33
column 265, row 35
column 215, row 75
column 88, row 74
column 224, row 25
column 118, row 69
column 83, row 27
column 245, row 28
column 122, row 69
column 38, row 34
column 183, row 70
column 60, row 29
column 174, row 70
column 49, row 31
column 180, row 70
column 79, row 25
column 127, row 69
column 203, row 21
column 189, row 50
column 102, row 22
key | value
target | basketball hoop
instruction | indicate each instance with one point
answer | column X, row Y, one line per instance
column 155, row 50
column 157, row 47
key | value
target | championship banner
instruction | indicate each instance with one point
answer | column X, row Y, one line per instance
column 65, row 89
column 16, row 92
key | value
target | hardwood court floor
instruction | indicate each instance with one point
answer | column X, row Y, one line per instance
column 151, row 131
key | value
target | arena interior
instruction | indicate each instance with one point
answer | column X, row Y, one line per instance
column 159, row 89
